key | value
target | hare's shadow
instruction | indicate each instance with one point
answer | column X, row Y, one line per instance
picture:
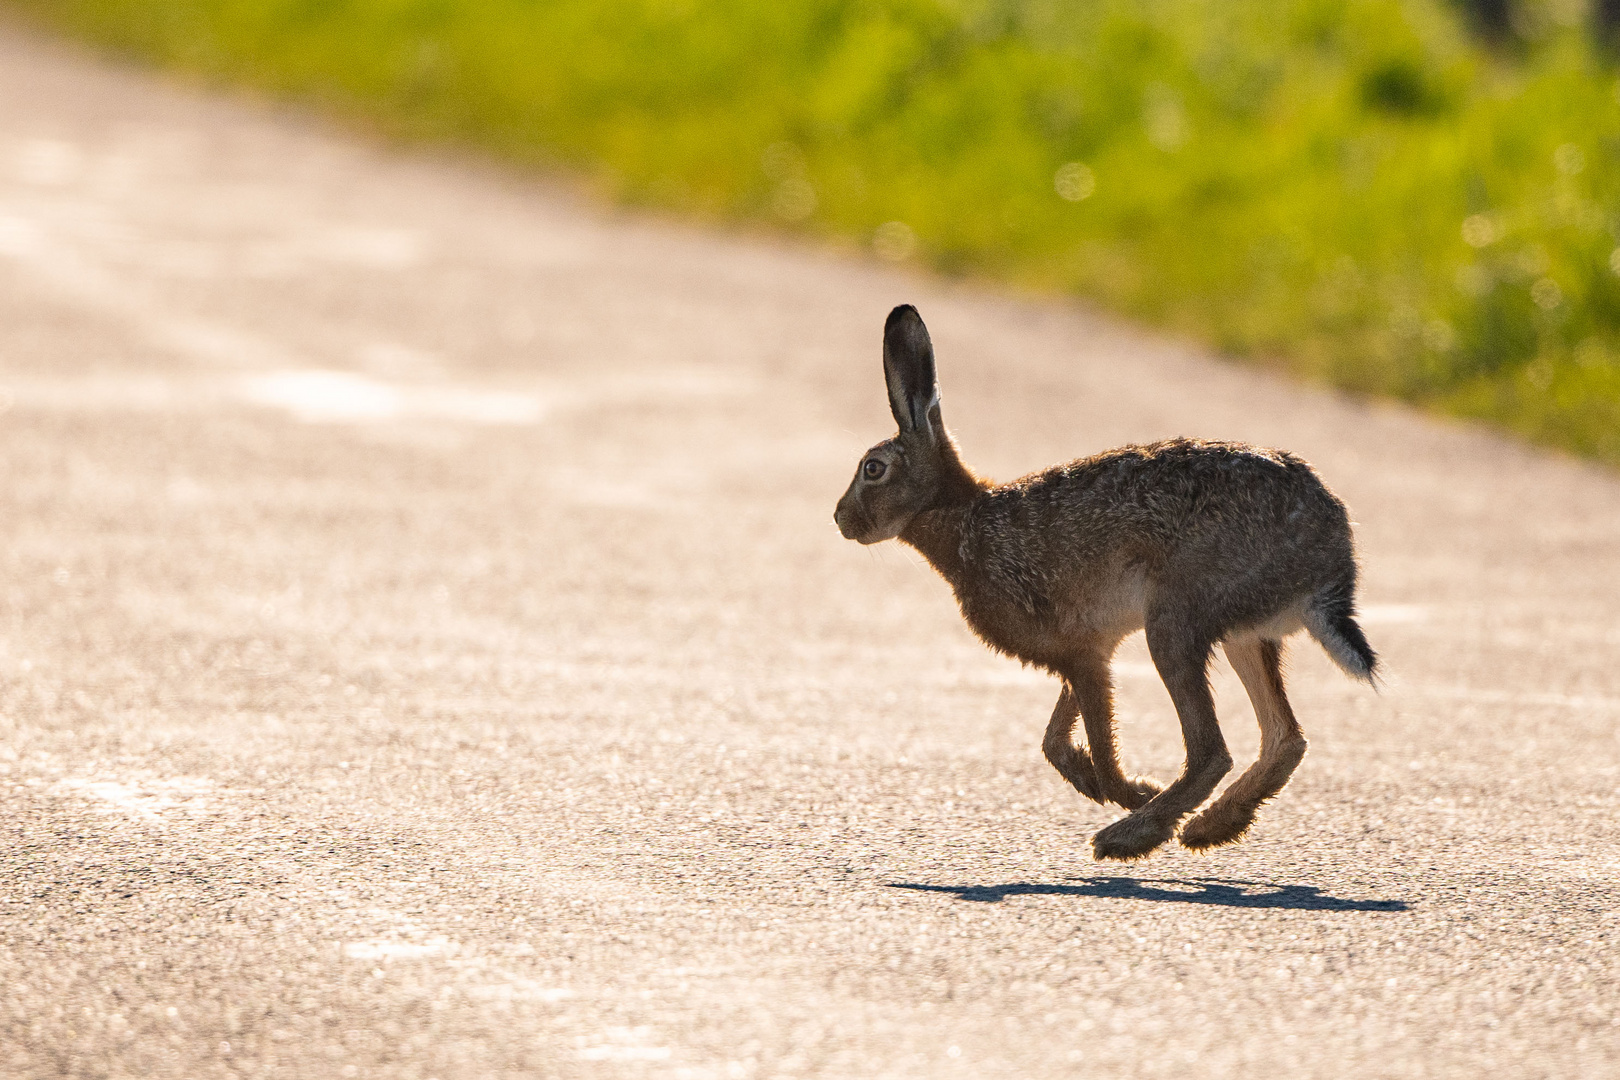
column 1211, row 891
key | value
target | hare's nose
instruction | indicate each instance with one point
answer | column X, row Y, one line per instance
column 842, row 518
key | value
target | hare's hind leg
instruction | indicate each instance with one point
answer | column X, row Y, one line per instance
column 1182, row 658
column 1092, row 685
column 1070, row 760
column 1258, row 662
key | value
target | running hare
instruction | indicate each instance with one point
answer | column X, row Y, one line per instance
column 1198, row 543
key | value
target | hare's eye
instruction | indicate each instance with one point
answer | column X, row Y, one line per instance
column 874, row 469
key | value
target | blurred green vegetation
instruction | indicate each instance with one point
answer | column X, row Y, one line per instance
column 1364, row 191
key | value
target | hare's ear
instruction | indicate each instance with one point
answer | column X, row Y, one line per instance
column 908, row 368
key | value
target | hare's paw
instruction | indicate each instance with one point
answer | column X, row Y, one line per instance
column 1218, row 825
column 1088, row 786
column 1139, row 791
column 1080, row 772
column 1075, row 766
column 1131, row 837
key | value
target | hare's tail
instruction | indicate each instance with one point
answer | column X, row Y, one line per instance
column 1331, row 619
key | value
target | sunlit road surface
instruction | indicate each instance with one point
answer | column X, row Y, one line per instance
column 427, row 653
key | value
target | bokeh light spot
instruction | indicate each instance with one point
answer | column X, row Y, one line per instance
column 1074, row 181
column 1480, row 230
column 1546, row 294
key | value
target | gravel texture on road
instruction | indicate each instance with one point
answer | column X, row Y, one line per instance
column 427, row 652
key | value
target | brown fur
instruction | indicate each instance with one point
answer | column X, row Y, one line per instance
column 1197, row 543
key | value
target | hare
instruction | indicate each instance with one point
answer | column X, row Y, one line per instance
column 1197, row 543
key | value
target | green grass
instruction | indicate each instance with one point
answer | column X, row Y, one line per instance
column 1356, row 190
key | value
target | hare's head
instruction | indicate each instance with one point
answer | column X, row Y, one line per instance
column 916, row 470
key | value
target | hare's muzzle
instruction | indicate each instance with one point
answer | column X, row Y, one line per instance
column 851, row 523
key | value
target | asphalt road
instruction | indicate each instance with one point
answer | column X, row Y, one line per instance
column 427, row 652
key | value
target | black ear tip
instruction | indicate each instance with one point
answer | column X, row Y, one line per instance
column 899, row 316
column 904, row 331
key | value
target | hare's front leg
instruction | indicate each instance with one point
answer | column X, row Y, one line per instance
column 1258, row 662
column 1183, row 661
column 1093, row 687
column 1068, row 759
